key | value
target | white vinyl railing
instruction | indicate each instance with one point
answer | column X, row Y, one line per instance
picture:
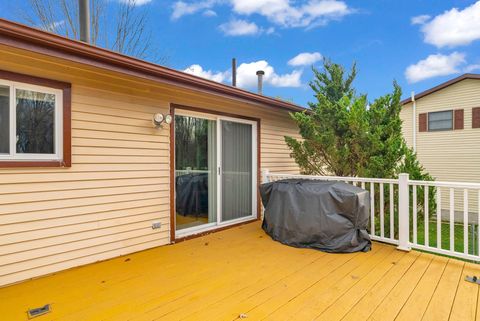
column 408, row 213
column 455, row 218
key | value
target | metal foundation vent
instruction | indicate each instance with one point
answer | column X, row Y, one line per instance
column 36, row 312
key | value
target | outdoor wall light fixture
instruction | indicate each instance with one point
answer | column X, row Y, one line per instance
column 159, row 119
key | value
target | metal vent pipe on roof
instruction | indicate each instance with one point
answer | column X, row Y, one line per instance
column 84, row 20
column 234, row 72
column 260, row 74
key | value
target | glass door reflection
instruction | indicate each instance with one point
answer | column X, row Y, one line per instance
column 195, row 172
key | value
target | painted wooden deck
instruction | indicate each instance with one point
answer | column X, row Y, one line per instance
column 242, row 273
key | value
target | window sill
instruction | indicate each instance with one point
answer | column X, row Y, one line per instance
column 439, row 130
column 13, row 164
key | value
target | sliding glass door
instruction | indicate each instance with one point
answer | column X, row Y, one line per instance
column 215, row 171
column 237, row 170
column 195, row 171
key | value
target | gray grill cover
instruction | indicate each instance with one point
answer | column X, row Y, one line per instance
column 329, row 216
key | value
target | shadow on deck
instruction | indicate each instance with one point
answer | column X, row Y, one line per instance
column 242, row 273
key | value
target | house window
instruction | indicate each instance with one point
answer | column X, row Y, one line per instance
column 32, row 121
column 440, row 120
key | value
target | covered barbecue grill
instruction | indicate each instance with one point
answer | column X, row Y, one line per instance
column 325, row 215
column 192, row 194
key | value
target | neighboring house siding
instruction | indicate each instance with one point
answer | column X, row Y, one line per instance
column 407, row 123
column 452, row 155
column 103, row 206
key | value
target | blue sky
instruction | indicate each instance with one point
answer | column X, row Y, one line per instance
column 418, row 43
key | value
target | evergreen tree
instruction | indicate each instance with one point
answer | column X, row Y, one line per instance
column 344, row 135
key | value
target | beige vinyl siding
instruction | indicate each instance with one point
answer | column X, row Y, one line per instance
column 103, row 206
column 452, row 155
column 406, row 115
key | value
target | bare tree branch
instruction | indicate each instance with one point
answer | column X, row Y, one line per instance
column 126, row 33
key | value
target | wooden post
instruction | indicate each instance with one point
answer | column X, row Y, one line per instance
column 403, row 213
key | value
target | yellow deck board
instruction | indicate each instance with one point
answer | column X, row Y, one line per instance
column 269, row 299
column 310, row 302
column 242, row 271
column 375, row 296
column 441, row 303
column 338, row 309
column 416, row 305
column 269, row 278
column 465, row 304
column 394, row 301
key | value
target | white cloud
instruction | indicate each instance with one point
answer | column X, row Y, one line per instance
column 310, row 14
column 434, row 66
column 270, row 30
column 237, row 27
column 305, row 59
column 420, row 20
column 209, row 13
column 181, row 8
column 292, row 79
column 136, row 2
column 454, row 27
column 247, row 75
column 281, row 12
column 471, row 68
column 52, row 27
column 262, row 7
column 197, row 70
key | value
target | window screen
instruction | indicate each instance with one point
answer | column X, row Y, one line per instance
column 441, row 120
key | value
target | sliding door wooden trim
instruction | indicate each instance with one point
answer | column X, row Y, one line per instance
column 173, row 108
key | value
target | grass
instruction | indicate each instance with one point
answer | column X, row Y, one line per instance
column 432, row 235
column 445, row 236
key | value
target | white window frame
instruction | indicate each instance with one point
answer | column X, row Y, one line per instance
column 452, row 123
column 58, row 119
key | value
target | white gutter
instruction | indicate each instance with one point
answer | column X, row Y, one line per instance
column 414, row 122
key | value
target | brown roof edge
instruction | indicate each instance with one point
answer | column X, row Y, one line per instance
column 441, row 86
column 24, row 37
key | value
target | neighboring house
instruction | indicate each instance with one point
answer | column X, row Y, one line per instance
column 442, row 125
column 85, row 175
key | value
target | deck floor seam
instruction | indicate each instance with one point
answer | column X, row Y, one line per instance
column 306, row 289
column 279, row 280
column 353, row 284
column 319, row 257
column 350, row 259
column 430, row 298
column 416, row 284
column 313, row 284
column 399, row 279
column 411, row 292
column 372, row 286
column 232, row 293
column 434, row 290
column 456, row 291
column 366, row 293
